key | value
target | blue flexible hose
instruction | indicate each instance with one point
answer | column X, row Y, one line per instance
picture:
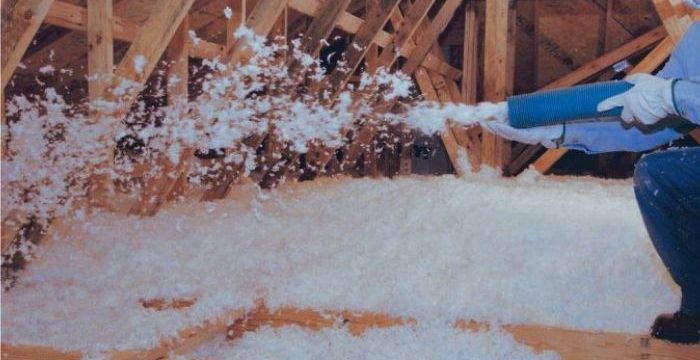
column 558, row 106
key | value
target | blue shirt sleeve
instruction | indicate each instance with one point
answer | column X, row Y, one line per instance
column 599, row 137
column 687, row 99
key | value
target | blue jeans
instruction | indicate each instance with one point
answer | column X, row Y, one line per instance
column 667, row 185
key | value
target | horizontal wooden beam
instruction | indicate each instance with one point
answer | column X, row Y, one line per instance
column 74, row 17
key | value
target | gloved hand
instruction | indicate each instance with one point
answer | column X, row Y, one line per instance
column 545, row 135
column 650, row 100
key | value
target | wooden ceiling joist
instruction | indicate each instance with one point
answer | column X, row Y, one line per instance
column 20, row 21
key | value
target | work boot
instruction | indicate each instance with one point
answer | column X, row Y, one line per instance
column 677, row 328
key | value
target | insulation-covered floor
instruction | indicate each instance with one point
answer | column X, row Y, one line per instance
column 566, row 252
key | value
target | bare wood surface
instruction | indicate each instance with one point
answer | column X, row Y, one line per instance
column 156, row 190
column 20, row 21
column 498, row 73
column 377, row 17
column 405, row 30
column 635, row 46
column 100, row 47
column 261, row 21
column 74, row 17
column 428, row 38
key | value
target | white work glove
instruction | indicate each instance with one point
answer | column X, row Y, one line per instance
column 545, row 135
column 650, row 100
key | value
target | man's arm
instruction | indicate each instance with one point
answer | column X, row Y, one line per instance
column 599, row 137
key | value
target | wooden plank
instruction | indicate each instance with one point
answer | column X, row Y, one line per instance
column 145, row 51
column 134, row 69
column 321, row 26
column 405, row 30
column 367, row 132
column 20, row 21
column 470, row 54
column 498, row 79
column 239, row 15
column 346, row 22
column 100, row 47
column 261, row 21
column 156, row 190
column 430, row 36
column 676, row 25
column 74, row 17
column 448, row 139
column 635, row 46
column 377, row 16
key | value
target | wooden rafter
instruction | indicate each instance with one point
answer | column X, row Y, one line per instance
column 378, row 12
column 261, row 21
column 156, row 190
column 424, row 78
column 602, row 63
column 430, row 36
column 327, row 16
column 405, row 30
column 20, row 21
column 145, row 51
column 74, row 17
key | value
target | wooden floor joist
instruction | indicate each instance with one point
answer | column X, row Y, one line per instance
column 570, row 344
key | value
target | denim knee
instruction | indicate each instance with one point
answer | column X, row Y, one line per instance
column 646, row 175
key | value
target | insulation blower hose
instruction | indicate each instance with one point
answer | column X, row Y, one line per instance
column 558, row 106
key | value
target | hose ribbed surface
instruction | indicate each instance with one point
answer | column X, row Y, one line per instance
column 558, row 106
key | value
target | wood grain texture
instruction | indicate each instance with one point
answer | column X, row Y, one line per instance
column 261, row 21
column 378, row 12
column 74, row 17
column 20, row 21
column 100, row 47
column 498, row 73
column 405, row 30
column 429, row 37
